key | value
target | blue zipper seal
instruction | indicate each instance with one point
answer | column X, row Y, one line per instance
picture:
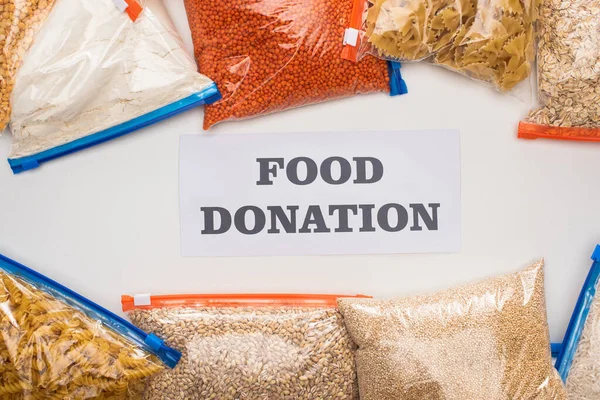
column 397, row 83
column 209, row 95
column 556, row 349
column 579, row 318
column 150, row 342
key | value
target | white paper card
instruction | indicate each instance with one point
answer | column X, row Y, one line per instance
column 320, row 193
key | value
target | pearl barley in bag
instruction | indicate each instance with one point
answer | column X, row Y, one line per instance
column 250, row 347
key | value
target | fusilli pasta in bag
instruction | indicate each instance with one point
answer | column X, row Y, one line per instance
column 55, row 344
column 487, row 40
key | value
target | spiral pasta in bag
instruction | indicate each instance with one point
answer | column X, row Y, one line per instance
column 487, row 40
column 273, row 55
column 95, row 72
column 55, row 344
column 250, row 347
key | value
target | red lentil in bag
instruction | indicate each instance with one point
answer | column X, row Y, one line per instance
column 271, row 55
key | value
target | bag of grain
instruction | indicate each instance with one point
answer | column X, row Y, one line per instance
column 273, row 55
column 487, row 340
column 56, row 344
column 579, row 361
column 249, row 347
column 93, row 74
column 568, row 55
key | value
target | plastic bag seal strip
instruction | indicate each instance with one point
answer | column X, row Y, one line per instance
column 579, row 318
column 208, row 96
column 150, row 342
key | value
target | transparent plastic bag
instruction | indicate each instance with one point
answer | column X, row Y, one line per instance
column 55, row 344
column 272, row 55
column 579, row 361
column 487, row 340
column 568, row 73
column 487, row 40
column 93, row 74
column 249, row 347
column 19, row 23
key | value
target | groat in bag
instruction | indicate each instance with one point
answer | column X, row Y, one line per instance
column 272, row 55
column 579, row 361
column 249, row 347
column 19, row 23
column 56, row 344
column 487, row 40
column 94, row 74
column 487, row 340
column 568, row 73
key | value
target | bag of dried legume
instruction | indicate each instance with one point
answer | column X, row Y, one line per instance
column 94, row 74
column 568, row 73
column 19, row 23
column 579, row 360
column 272, row 55
column 490, row 41
column 249, row 347
column 56, row 344
column 487, row 340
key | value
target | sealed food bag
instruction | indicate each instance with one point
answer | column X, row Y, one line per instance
column 19, row 23
column 487, row 340
column 568, row 56
column 579, row 360
column 487, row 40
column 249, row 347
column 56, row 344
column 272, row 55
column 93, row 74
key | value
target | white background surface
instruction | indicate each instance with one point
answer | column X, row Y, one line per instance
column 105, row 221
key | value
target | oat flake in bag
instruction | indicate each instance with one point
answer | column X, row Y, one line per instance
column 568, row 73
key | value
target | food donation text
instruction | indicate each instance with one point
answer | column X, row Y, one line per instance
column 340, row 218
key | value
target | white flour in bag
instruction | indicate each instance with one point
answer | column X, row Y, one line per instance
column 91, row 68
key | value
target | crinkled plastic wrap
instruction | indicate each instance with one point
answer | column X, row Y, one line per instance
column 250, row 347
column 487, row 340
column 579, row 361
column 272, row 55
column 57, row 345
column 20, row 20
column 93, row 74
column 487, row 40
column 568, row 73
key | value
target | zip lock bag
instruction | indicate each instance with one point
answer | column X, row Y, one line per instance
column 249, row 347
column 490, row 41
column 56, row 344
column 568, row 58
column 273, row 55
column 93, row 74
column 579, row 360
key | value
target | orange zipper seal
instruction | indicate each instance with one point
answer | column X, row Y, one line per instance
column 528, row 130
column 237, row 300
column 134, row 10
column 358, row 8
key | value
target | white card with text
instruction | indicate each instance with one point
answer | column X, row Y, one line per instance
column 320, row 193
